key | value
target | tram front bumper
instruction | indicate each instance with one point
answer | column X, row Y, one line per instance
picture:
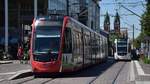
column 45, row 67
column 125, row 57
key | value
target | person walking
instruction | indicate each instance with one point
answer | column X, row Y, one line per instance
column 20, row 54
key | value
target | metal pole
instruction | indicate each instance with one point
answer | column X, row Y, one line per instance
column 35, row 8
column 133, row 35
column 6, row 28
column 67, row 5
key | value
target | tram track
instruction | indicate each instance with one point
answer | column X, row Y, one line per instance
column 108, row 73
column 32, row 80
column 47, row 81
column 115, row 78
column 35, row 80
column 118, row 73
column 24, row 81
column 119, row 66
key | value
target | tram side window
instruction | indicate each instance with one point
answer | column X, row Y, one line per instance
column 129, row 47
column 67, row 41
column 102, row 44
column 74, row 43
column 106, row 45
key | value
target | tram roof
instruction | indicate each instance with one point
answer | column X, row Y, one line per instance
column 104, row 33
column 82, row 25
column 50, row 18
column 58, row 17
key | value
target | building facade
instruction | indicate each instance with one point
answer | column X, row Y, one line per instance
column 22, row 12
column 86, row 11
column 20, row 16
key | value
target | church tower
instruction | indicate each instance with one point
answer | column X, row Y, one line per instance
column 107, row 23
column 117, row 23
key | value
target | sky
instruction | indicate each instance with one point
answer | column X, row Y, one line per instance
column 127, row 18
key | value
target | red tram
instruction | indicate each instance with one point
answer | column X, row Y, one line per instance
column 62, row 44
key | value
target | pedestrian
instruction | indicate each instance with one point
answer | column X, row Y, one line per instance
column 142, row 53
column 134, row 55
column 137, row 53
column 26, row 49
column 20, row 54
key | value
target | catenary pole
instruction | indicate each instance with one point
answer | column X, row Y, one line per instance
column 6, row 28
column 35, row 8
column 133, row 35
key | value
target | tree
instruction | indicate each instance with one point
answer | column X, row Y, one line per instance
column 146, row 21
column 113, row 36
column 137, row 41
column 145, row 25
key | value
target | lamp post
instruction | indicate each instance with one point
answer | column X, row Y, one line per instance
column 133, row 36
column 6, row 29
column 35, row 8
column 67, row 7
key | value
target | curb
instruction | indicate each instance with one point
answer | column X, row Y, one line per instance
column 21, row 74
column 5, row 62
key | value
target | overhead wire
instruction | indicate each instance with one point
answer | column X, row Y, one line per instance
column 129, row 24
column 132, row 4
column 121, row 5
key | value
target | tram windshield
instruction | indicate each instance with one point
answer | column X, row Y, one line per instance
column 122, row 47
column 47, row 38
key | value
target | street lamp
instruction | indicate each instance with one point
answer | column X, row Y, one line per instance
column 67, row 7
column 35, row 8
column 6, row 29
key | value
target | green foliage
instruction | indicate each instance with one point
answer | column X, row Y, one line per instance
column 138, row 40
column 146, row 60
column 145, row 22
column 113, row 36
column 136, row 43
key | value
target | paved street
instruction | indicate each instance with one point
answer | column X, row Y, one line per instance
column 68, row 35
column 111, row 72
column 8, row 70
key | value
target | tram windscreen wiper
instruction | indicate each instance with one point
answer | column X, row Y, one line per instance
column 45, row 56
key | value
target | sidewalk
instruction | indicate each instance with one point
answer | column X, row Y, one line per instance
column 142, row 72
column 12, row 61
column 12, row 69
column 145, row 67
column 5, row 62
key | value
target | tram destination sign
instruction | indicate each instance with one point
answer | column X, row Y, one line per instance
column 48, row 23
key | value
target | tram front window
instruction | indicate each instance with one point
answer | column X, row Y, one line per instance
column 122, row 48
column 46, row 43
